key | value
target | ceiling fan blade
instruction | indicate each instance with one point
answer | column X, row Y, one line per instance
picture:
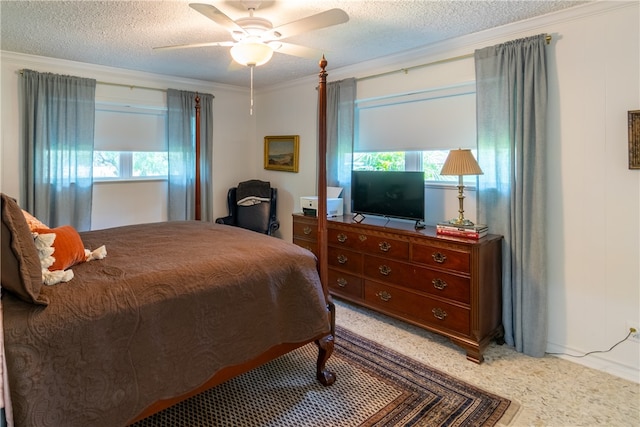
column 192, row 45
column 314, row 22
column 296, row 50
column 217, row 16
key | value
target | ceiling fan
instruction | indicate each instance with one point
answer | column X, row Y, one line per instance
column 254, row 38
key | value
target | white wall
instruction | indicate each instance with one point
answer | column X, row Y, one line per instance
column 290, row 110
column 593, row 198
column 594, row 203
column 116, row 204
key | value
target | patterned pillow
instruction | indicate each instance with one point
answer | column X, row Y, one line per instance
column 21, row 272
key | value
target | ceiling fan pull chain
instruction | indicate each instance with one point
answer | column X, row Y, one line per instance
column 251, row 107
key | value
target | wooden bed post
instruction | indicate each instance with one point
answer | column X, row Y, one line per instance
column 325, row 344
column 197, row 178
column 322, row 174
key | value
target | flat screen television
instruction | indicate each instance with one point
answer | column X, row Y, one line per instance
column 398, row 194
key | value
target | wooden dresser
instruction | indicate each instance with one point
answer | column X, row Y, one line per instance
column 448, row 285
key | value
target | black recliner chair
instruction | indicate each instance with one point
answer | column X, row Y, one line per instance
column 252, row 205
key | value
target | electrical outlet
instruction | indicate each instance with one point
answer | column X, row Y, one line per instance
column 635, row 336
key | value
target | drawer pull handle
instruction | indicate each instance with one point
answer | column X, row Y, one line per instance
column 342, row 259
column 383, row 295
column 439, row 313
column 362, row 237
column 342, row 238
column 385, row 270
column 307, row 230
column 439, row 257
column 384, row 246
column 439, row 284
column 342, row 282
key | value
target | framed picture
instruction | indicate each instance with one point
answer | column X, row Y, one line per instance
column 281, row 153
column 634, row 139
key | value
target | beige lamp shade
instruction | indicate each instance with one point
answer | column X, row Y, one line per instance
column 461, row 162
column 251, row 53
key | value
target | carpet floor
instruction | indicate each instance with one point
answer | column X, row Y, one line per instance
column 375, row 386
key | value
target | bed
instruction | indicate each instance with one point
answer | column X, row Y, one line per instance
column 173, row 309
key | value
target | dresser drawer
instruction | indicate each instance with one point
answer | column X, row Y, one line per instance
column 441, row 257
column 442, row 315
column 416, row 277
column 448, row 286
column 383, row 246
column 310, row 245
column 344, row 259
column 431, row 311
column 392, row 271
column 347, row 239
column 304, row 229
column 345, row 284
column 392, row 299
column 369, row 243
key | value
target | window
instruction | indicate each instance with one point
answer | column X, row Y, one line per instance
column 430, row 162
column 129, row 164
column 380, row 161
column 130, row 143
column 415, row 130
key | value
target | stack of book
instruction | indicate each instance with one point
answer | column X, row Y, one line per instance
column 468, row 231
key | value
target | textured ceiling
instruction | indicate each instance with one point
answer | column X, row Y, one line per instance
column 123, row 33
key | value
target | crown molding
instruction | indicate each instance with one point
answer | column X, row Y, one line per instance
column 112, row 75
column 467, row 44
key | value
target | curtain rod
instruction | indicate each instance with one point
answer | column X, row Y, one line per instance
column 143, row 87
column 428, row 64
column 131, row 86
column 125, row 85
column 121, row 85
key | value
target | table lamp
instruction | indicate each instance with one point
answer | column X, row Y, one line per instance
column 461, row 162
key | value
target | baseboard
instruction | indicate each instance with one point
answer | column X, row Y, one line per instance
column 598, row 363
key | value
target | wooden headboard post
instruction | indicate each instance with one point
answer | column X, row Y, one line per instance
column 322, row 175
column 197, row 177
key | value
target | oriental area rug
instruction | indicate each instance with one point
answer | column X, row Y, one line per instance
column 375, row 386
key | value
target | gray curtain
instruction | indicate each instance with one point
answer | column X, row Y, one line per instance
column 341, row 97
column 181, row 131
column 511, row 118
column 58, row 119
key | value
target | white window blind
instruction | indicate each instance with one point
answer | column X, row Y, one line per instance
column 130, row 129
column 441, row 119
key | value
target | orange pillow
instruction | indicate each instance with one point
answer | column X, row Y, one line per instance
column 68, row 247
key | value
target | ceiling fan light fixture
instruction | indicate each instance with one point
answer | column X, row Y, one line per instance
column 275, row 45
column 251, row 53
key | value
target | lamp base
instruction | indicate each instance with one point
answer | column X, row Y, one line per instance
column 461, row 222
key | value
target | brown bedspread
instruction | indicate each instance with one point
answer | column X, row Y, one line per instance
column 170, row 305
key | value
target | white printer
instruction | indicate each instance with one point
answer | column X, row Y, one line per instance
column 309, row 204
